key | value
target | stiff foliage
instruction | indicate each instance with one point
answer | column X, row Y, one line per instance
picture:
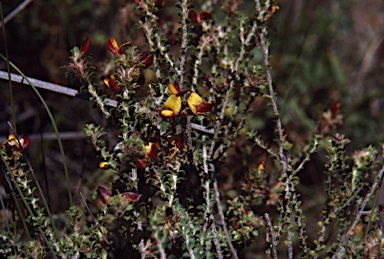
column 177, row 111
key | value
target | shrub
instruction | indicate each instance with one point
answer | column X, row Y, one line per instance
column 178, row 110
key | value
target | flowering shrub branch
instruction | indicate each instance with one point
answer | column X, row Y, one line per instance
column 164, row 196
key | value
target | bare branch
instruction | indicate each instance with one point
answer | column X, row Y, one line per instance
column 17, row 10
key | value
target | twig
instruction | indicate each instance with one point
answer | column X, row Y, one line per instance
column 94, row 219
column 307, row 157
column 69, row 135
column 346, row 234
column 15, row 11
column 49, row 86
column 184, row 42
column 215, row 237
column 190, row 146
column 272, row 236
column 74, row 93
column 302, row 236
column 282, row 157
column 221, row 214
column 204, row 42
column 190, row 250
column 5, row 216
column 321, row 239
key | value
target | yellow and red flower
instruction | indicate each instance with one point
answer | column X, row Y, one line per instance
column 115, row 49
column 178, row 141
column 152, row 150
column 104, row 165
column 196, row 104
column 111, row 82
column 173, row 103
column 14, row 147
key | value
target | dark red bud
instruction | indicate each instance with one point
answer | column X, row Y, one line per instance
column 194, row 16
column 131, row 196
column 104, row 194
column 176, row 84
column 335, row 108
column 205, row 16
column 25, row 142
column 159, row 3
column 144, row 55
column 148, row 61
column 203, row 107
column 141, row 80
column 85, row 48
column 141, row 163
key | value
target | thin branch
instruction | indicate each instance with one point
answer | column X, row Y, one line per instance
column 94, row 219
column 360, row 212
column 5, row 216
column 204, row 43
column 190, row 250
column 245, row 42
column 265, row 51
column 15, row 11
column 215, row 237
column 190, row 146
column 184, row 42
column 221, row 214
column 49, row 86
column 271, row 234
column 307, row 157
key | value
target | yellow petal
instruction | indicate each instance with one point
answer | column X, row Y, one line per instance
column 167, row 114
column 124, row 46
column 104, row 165
column 148, row 147
column 173, row 155
column 173, row 103
column 173, row 89
column 192, row 100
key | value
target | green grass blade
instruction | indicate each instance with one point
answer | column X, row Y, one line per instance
column 53, row 124
column 26, row 203
column 8, row 68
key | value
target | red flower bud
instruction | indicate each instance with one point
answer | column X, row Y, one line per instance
column 194, row 16
column 203, row 107
column 110, row 82
column 205, row 16
column 104, row 194
column 147, row 59
column 335, row 108
column 85, row 48
column 131, row 196
column 24, row 141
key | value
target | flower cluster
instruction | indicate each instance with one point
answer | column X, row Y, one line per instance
column 14, row 146
column 174, row 103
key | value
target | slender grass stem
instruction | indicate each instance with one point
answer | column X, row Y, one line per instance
column 22, row 217
column 5, row 215
column 53, row 124
column 26, row 203
column 8, row 69
column 38, row 187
